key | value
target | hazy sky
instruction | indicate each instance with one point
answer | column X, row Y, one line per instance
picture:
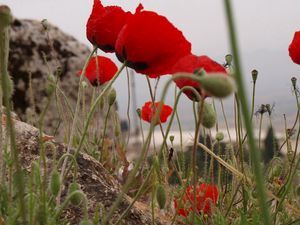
column 265, row 29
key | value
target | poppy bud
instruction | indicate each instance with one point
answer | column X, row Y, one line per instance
column 55, row 182
column 254, row 74
column 275, row 171
column 294, row 82
column 161, row 196
column 219, row 136
column 208, row 116
column 77, row 198
column 5, row 16
column 228, row 59
column 112, row 97
column 139, row 112
column 217, row 85
column 85, row 222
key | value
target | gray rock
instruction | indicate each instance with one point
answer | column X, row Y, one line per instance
column 38, row 52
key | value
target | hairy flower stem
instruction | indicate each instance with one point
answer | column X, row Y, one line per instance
column 5, row 84
column 128, row 105
column 104, row 131
column 196, row 141
column 139, row 161
column 252, row 106
column 254, row 152
column 75, row 117
column 259, row 131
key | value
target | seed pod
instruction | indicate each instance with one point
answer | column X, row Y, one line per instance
column 208, row 116
column 85, row 222
column 228, row 59
column 45, row 24
column 55, row 182
column 112, row 97
column 294, row 82
column 77, row 198
column 217, row 85
column 219, row 136
column 171, row 138
column 161, row 196
column 254, row 74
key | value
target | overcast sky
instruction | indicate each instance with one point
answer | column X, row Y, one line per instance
column 265, row 29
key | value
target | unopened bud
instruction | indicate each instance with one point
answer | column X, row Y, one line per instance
column 112, row 97
column 5, row 16
column 208, row 115
column 254, row 74
column 275, row 171
column 219, row 136
column 77, row 198
column 55, row 182
column 217, row 85
column 161, row 196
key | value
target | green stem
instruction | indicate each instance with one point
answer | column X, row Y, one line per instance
column 4, row 50
column 259, row 132
column 104, row 131
column 255, row 154
column 196, row 141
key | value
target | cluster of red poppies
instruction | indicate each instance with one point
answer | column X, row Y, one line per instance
column 206, row 198
column 145, row 41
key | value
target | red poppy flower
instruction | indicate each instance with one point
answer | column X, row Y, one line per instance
column 149, row 109
column 191, row 64
column 150, row 44
column 294, row 48
column 206, row 197
column 104, row 25
column 106, row 70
